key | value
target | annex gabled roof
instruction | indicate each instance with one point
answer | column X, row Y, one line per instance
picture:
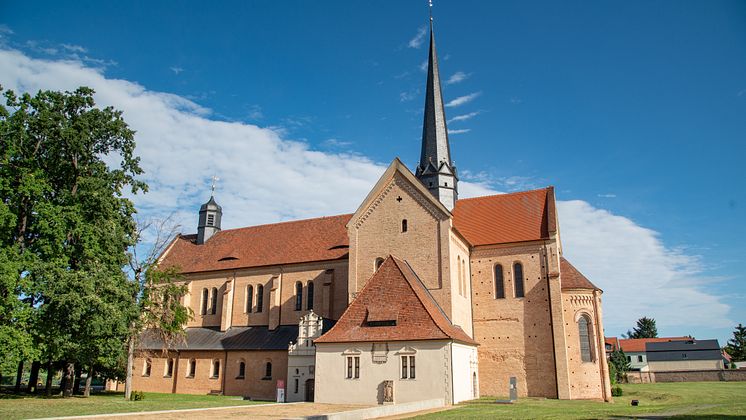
column 293, row 242
column 637, row 345
column 400, row 307
column 506, row 218
column 572, row 278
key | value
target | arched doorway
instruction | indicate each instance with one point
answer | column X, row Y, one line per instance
column 309, row 390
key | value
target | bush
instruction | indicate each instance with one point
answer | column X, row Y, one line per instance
column 616, row 391
column 137, row 396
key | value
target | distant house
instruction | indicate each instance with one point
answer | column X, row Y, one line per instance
column 611, row 344
column 684, row 355
column 635, row 349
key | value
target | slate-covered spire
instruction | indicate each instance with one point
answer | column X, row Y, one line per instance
column 436, row 170
column 210, row 215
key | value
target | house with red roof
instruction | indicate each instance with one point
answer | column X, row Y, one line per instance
column 417, row 295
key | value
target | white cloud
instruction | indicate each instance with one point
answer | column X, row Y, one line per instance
column 463, row 99
column 417, row 40
column 463, row 117
column 74, row 48
column 457, row 77
column 5, row 29
column 409, row 95
column 266, row 177
column 176, row 70
column 459, row 131
column 423, row 66
column 639, row 275
column 607, row 195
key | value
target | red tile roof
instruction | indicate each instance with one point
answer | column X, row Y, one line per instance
column 280, row 243
column 572, row 278
column 613, row 341
column 505, row 218
column 394, row 293
column 637, row 345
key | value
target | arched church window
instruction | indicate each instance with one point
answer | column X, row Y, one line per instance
column 586, row 343
column 192, row 368
column 378, row 264
column 298, row 296
column 203, row 309
column 146, row 367
column 309, row 298
column 518, row 279
column 215, row 369
column 499, row 282
column 464, row 276
column 241, row 369
column 214, row 301
column 404, row 226
column 268, row 371
column 259, row 298
column 460, row 281
column 249, row 298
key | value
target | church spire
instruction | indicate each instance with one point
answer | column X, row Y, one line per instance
column 436, row 170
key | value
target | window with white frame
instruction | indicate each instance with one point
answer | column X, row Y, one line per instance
column 168, row 369
column 192, row 368
column 353, row 367
column 146, row 367
column 215, row 373
column 407, row 367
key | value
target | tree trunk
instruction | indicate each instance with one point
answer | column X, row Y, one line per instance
column 130, row 363
column 78, row 377
column 19, row 376
column 68, row 378
column 50, row 376
column 88, row 379
column 34, row 377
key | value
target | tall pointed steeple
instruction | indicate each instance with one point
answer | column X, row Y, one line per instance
column 436, row 170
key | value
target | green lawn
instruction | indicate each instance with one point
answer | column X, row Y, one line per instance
column 680, row 400
column 24, row 407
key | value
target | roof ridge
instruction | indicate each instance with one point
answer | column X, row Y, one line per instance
column 507, row 194
column 284, row 223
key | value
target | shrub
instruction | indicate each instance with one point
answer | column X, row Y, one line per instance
column 137, row 396
column 616, row 391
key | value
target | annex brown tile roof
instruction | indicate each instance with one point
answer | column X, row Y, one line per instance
column 613, row 342
column 293, row 242
column 572, row 278
column 637, row 345
column 506, row 218
column 396, row 292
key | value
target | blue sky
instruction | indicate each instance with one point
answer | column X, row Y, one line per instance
column 634, row 111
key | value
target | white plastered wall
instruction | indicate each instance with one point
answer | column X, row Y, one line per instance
column 465, row 371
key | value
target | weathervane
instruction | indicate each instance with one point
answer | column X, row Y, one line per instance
column 215, row 180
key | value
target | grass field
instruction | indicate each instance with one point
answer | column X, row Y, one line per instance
column 24, row 407
column 679, row 400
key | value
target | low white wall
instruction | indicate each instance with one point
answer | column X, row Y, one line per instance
column 433, row 373
column 380, row 411
column 465, row 368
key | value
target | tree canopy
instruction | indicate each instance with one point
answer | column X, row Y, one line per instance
column 645, row 329
column 737, row 345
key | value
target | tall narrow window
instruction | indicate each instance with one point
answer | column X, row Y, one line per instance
column 169, row 368
column 146, row 367
column 214, row 301
column 404, row 226
column 407, row 367
column 309, row 297
column 192, row 368
column 518, row 279
column 460, row 282
column 349, row 368
column 584, row 330
column 357, row 367
column 241, row 370
column 296, row 386
column 353, row 367
column 298, row 296
column 268, row 371
column 378, row 263
column 215, row 369
column 203, row 310
column 259, row 298
column 465, row 276
column 249, row 298
column 411, row 367
column 499, row 282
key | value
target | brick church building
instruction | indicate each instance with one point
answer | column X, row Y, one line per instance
column 416, row 295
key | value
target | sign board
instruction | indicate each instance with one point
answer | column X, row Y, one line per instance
column 280, row 391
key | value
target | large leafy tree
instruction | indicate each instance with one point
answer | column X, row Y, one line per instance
column 736, row 347
column 645, row 329
column 66, row 226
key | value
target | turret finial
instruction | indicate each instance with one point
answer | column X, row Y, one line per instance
column 215, row 180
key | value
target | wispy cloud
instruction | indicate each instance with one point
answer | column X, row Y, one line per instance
column 464, row 117
column 457, row 77
column 516, row 101
column 336, row 143
column 409, row 95
column 418, row 39
column 255, row 112
column 463, row 99
column 423, row 66
column 459, row 131
column 74, row 48
column 176, row 70
column 741, row 92
column 607, row 195
column 5, row 29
